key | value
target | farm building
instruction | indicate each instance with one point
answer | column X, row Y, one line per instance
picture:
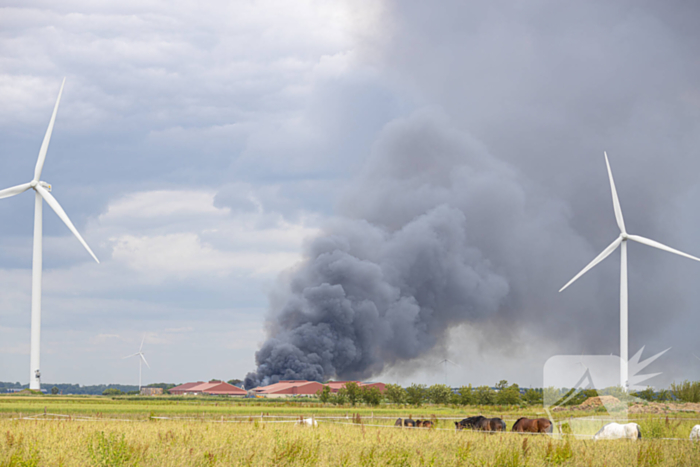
column 289, row 388
column 292, row 388
column 212, row 388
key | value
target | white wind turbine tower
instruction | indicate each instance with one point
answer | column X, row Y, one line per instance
column 621, row 241
column 142, row 358
column 42, row 193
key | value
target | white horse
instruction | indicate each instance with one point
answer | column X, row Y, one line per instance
column 307, row 422
column 618, row 431
column 695, row 433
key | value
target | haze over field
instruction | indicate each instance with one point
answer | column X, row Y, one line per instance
column 355, row 189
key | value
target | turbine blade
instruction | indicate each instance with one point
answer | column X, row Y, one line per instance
column 129, row 356
column 144, row 360
column 141, row 348
column 47, row 137
column 660, row 246
column 604, row 254
column 696, row 356
column 616, row 201
column 15, row 190
column 51, row 201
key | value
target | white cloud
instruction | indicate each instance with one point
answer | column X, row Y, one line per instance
column 247, row 243
column 184, row 254
column 162, row 203
column 104, row 338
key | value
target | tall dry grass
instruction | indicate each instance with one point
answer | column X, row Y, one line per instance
column 205, row 443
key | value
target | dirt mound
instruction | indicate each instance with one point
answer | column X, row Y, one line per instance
column 595, row 402
column 665, row 407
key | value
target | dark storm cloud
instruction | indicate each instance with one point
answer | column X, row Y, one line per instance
column 532, row 94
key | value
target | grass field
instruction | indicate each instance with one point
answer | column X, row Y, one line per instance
column 230, row 432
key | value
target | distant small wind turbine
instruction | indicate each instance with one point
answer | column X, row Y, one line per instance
column 142, row 358
column 42, row 192
column 621, row 242
column 696, row 356
column 444, row 363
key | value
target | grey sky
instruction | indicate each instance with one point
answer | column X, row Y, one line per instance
column 198, row 146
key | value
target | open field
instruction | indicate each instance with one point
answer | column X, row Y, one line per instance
column 230, row 432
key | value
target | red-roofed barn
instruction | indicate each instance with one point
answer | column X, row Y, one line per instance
column 212, row 388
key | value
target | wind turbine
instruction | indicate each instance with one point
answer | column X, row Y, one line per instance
column 142, row 358
column 444, row 363
column 42, row 192
column 621, row 242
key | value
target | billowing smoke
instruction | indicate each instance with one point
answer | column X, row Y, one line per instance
column 475, row 216
column 413, row 256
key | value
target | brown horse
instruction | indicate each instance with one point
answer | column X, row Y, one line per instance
column 530, row 425
column 405, row 422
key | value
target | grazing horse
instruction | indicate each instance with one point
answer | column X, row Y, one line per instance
column 307, row 422
column 695, row 433
column 405, row 422
column 530, row 425
column 481, row 423
column 618, row 431
column 468, row 422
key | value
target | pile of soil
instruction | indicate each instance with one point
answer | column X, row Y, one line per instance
column 664, row 407
column 598, row 401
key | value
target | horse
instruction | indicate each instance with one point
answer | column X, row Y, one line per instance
column 424, row 423
column 469, row 422
column 307, row 422
column 618, row 431
column 695, row 433
column 481, row 423
column 530, row 425
column 405, row 422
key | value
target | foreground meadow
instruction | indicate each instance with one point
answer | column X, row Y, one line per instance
column 101, row 431
column 206, row 443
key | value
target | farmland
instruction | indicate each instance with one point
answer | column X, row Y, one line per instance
column 202, row 432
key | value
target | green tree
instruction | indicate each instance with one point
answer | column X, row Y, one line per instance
column 54, row 390
column 339, row 398
column 415, row 394
column 648, row 394
column 395, row 394
column 509, row 395
column 234, row 382
column 324, row 395
column 371, row 395
column 686, row 391
column 351, row 391
column 502, row 384
column 533, row 396
column 439, row 394
column 484, row 395
column 112, row 392
column 466, row 395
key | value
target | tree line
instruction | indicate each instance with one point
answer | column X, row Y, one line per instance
column 419, row 394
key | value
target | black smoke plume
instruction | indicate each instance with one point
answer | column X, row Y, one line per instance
column 414, row 256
